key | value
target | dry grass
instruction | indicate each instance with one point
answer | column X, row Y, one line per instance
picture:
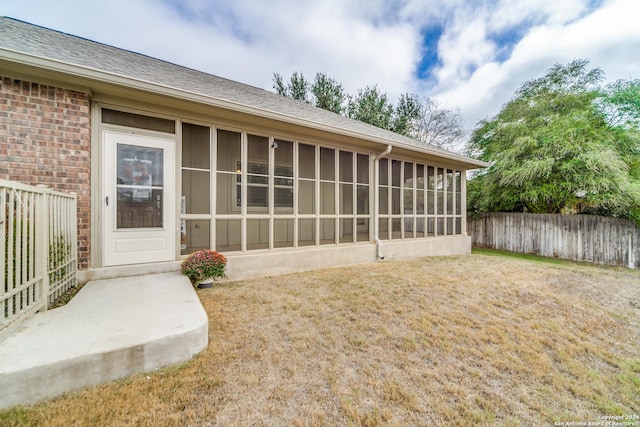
column 468, row 340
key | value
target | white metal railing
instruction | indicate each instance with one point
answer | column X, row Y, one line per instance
column 38, row 250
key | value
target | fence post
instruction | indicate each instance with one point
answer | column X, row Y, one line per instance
column 42, row 244
column 73, row 230
column 4, row 242
column 632, row 261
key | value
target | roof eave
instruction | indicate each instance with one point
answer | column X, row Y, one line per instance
column 77, row 71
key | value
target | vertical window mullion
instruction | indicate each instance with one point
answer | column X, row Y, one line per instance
column 445, row 200
column 271, row 191
column 454, row 206
column 425, row 187
column 415, row 200
column 317, row 193
column 372, row 198
column 295, row 193
column 213, row 150
column 463, row 202
column 336, row 196
column 243, row 186
column 435, row 201
column 389, row 199
column 425, row 200
column 354, row 197
column 402, row 210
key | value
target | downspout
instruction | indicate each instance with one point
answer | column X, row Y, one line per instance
column 376, row 201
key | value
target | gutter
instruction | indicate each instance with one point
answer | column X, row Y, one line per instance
column 376, row 201
column 97, row 75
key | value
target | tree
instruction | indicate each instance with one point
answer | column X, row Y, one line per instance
column 552, row 148
column 424, row 120
column 621, row 104
column 419, row 118
column 438, row 126
column 297, row 88
column 279, row 86
column 371, row 106
column 328, row 93
column 407, row 114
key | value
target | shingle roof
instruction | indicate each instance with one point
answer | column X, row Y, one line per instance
column 25, row 38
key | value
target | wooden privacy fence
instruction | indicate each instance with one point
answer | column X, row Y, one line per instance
column 587, row 238
column 38, row 239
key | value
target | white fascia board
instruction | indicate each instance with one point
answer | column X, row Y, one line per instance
column 89, row 73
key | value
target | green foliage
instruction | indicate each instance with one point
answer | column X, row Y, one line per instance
column 59, row 254
column 552, row 148
column 297, row 87
column 407, row 114
column 279, row 86
column 419, row 118
column 328, row 94
column 13, row 248
column 371, row 106
column 621, row 104
column 17, row 416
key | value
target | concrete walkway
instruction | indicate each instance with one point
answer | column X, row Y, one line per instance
column 111, row 329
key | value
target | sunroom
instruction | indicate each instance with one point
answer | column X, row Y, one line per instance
column 272, row 193
column 244, row 192
column 271, row 201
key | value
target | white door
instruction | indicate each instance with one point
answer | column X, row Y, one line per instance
column 138, row 199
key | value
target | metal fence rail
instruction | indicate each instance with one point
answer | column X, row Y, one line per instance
column 38, row 239
column 587, row 238
column 63, row 248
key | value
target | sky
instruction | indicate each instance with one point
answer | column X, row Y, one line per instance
column 468, row 55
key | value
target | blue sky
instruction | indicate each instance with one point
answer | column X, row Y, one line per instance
column 469, row 55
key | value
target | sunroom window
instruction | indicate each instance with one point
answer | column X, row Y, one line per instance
column 421, row 201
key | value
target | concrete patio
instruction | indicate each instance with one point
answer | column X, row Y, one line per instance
column 111, row 329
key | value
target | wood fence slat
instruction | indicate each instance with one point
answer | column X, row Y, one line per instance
column 588, row 238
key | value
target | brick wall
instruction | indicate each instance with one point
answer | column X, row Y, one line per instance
column 45, row 139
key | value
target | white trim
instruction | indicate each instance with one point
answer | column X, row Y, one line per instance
column 77, row 71
column 133, row 246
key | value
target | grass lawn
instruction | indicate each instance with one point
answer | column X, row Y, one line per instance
column 482, row 339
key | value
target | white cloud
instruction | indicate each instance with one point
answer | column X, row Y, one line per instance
column 487, row 48
column 509, row 13
column 609, row 37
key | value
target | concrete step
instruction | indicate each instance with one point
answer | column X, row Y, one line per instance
column 111, row 329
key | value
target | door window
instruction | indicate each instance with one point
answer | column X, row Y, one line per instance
column 139, row 187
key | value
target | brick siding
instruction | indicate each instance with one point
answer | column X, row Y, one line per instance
column 45, row 139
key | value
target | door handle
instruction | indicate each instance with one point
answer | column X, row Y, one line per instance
column 107, row 200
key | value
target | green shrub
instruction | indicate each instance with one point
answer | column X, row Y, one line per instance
column 59, row 253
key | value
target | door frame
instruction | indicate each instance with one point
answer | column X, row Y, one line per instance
column 163, row 238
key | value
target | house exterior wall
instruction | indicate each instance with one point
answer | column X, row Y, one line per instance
column 252, row 265
column 276, row 202
column 45, row 139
